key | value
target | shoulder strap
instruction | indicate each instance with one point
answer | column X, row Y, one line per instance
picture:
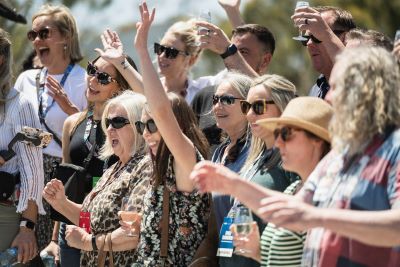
column 164, row 227
column 110, row 250
column 91, row 153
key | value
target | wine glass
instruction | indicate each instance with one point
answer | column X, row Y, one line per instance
column 243, row 221
column 298, row 5
column 130, row 214
column 204, row 15
column 397, row 36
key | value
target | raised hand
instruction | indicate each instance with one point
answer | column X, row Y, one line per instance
column 211, row 177
column 56, row 91
column 143, row 26
column 216, row 40
column 113, row 50
column 227, row 4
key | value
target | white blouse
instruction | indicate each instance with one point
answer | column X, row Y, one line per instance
column 20, row 111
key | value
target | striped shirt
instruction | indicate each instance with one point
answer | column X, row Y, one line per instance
column 19, row 112
column 279, row 246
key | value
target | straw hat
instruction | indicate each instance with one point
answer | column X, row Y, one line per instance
column 309, row 113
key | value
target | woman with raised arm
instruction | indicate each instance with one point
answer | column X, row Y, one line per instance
column 176, row 145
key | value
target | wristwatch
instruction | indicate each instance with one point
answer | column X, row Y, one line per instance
column 27, row 223
column 230, row 50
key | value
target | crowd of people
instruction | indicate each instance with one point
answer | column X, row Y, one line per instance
column 172, row 160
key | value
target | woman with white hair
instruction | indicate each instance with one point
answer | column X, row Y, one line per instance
column 128, row 177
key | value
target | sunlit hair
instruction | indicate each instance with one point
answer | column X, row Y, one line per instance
column 281, row 91
column 63, row 20
column 186, row 31
column 133, row 104
column 188, row 123
column 366, row 97
column 5, row 67
column 343, row 20
column 239, row 82
column 370, row 37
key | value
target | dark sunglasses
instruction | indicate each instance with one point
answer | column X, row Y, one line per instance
column 170, row 52
column 42, row 33
column 259, row 106
column 315, row 40
column 102, row 77
column 224, row 99
column 285, row 133
column 117, row 122
column 150, row 125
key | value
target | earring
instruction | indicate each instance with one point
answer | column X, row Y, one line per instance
column 65, row 47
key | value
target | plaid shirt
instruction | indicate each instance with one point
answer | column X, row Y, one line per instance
column 370, row 182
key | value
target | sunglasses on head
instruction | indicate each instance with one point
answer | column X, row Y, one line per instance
column 150, row 125
column 315, row 40
column 259, row 106
column 224, row 99
column 170, row 52
column 117, row 122
column 102, row 77
column 285, row 133
column 43, row 34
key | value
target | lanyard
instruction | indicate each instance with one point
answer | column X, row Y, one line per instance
column 90, row 124
column 43, row 113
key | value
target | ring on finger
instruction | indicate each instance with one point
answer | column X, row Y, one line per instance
column 306, row 21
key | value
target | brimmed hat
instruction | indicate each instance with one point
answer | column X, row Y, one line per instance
column 308, row 113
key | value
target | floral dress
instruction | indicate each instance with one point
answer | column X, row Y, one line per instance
column 188, row 222
column 104, row 202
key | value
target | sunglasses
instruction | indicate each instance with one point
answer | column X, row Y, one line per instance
column 315, row 40
column 259, row 106
column 285, row 133
column 150, row 125
column 117, row 122
column 170, row 52
column 42, row 33
column 102, row 77
column 224, row 99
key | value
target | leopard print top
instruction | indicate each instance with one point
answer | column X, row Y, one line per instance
column 104, row 202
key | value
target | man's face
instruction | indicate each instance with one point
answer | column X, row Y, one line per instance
column 319, row 56
column 253, row 51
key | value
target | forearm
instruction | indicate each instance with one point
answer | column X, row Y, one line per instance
column 133, row 78
column 69, row 209
column 378, row 228
column 333, row 46
column 120, row 241
column 236, row 62
column 234, row 16
column 31, row 211
column 56, row 228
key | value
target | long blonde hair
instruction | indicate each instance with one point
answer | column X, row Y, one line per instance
column 281, row 91
column 366, row 97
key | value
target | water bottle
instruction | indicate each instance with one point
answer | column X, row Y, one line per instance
column 47, row 259
column 9, row 257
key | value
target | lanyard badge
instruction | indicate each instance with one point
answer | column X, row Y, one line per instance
column 225, row 248
column 84, row 221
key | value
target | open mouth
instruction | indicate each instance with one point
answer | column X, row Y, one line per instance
column 92, row 91
column 114, row 142
column 44, row 51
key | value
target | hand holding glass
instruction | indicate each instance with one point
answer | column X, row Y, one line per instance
column 298, row 5
column 205, row 15
column 242, row 221
column 397, row 36
column 130, row 214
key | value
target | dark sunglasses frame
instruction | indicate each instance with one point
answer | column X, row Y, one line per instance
column 116, row 122
column 150, row 125
column 224, row 99
column 259, row 106
column 170, row 52
column 285, row 132
column 43, row 34
column 102, row 77
column 315, row 40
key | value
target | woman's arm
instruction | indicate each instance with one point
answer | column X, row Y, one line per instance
column 114, row 53
column 232, row 10
column 160, row 107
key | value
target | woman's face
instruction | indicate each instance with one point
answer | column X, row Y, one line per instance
column 97, row 92
column 50, row 50
column 152, row 139
column 258, row 93
column 122, row 139
column 229, row 117
column 298, row 150
column 172, row 67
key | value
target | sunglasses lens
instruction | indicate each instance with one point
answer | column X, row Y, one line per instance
column 306, row 41
column 157, row 49
column 43, row 33
column 31, row 35
column 258, row 107
column 151, row 126
column 227, row 100
column 116, row 122
column 103, row 78
column 171, row 53
column 244, row 106
column 139, row 127
column 91, row 69
column 215, row 99
column 276, row 133
column 315, row 40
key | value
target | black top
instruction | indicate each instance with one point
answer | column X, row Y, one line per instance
column 78, row 150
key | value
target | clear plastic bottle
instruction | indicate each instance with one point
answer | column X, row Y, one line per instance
column 8, row 257
column 47, row 259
